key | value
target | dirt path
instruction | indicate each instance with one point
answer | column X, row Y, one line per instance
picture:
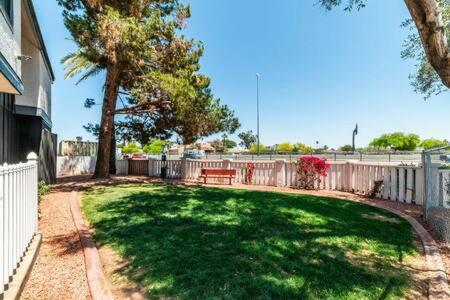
column 59, row 271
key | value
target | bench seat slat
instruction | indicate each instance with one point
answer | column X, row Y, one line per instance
column 218, row 173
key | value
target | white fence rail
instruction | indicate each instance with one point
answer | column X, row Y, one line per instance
column 399, row 183
column 18, row 214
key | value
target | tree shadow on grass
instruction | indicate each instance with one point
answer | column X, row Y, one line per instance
column 199, row 243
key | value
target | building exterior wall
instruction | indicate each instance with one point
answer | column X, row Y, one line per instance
column 10, row 37
column 35, row 76
column 22, row 38
column 8, row 130
column 25, row 119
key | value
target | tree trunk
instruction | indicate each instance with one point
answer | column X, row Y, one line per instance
column 112, row 155
column 428, row 20
column 107, row 122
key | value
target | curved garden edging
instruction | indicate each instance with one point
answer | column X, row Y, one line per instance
column 438, row 286
column 98, row 284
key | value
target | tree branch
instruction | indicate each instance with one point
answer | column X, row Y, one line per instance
column 428, row 20
column 151, row 107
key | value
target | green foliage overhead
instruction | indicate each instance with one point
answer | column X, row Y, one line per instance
column 131, row 149
column 432, row 143
column 397, row 141
column 156, row 147
column 247, row 139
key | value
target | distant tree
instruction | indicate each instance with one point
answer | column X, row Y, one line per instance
column 304, row 149
column 131, row 148
column 254, row 148
column 432, row 143
column 397, row 141
column 229, row 144
column 224, row 144
column 247, row 139
column 217, row 145
column 285, row 147
column 155, row 147
column 346, row 148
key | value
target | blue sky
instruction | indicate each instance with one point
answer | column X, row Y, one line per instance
column 322, row 72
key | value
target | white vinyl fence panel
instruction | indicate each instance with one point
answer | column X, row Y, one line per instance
column 399, row 183
column 75, row 165
column 18, row 215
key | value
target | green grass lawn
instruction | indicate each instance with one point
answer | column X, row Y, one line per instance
column 211, row 243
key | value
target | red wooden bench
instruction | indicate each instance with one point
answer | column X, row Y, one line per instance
column 218, row 173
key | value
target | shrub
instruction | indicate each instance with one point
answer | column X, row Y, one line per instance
column 254, row 148
column 310, row 170
column 304, row 149
column 286, row 147
column 432, row 143
column 43, row 189
column 249, row 171
column 346, row 148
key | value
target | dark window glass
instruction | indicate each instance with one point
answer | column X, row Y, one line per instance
column 7, row 9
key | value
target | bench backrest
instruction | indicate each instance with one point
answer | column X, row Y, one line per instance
column 219, row 172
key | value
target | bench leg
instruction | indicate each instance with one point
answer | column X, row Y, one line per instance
column 230, row 180
column 204, row 178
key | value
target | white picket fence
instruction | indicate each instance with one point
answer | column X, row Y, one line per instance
column 18, row 214
column 400, row 183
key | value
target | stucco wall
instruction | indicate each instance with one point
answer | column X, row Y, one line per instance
column 45, row 88
column 11, row 38
column 36, row 76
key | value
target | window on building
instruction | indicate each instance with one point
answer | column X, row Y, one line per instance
column 6, row 7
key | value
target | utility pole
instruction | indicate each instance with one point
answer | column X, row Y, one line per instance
column 257, row 113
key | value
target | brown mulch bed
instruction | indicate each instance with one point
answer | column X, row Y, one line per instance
column 59, row 270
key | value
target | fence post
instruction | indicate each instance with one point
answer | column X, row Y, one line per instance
column 348, row 172
column 183, row 168
column 280, row 172
column 150, row 167
column 2, row 231
column 126, row 167
column 226, row 164
column 33, row 158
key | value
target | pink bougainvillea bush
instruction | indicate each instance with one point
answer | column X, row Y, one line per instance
column 249, row 171
column 310, row 169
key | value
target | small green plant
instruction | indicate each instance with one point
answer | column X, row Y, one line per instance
column 43, row 189
column 444, row 167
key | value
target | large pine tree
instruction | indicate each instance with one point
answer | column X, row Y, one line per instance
column 137, row 44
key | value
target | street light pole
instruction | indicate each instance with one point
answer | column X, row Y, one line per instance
column 257, row 112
